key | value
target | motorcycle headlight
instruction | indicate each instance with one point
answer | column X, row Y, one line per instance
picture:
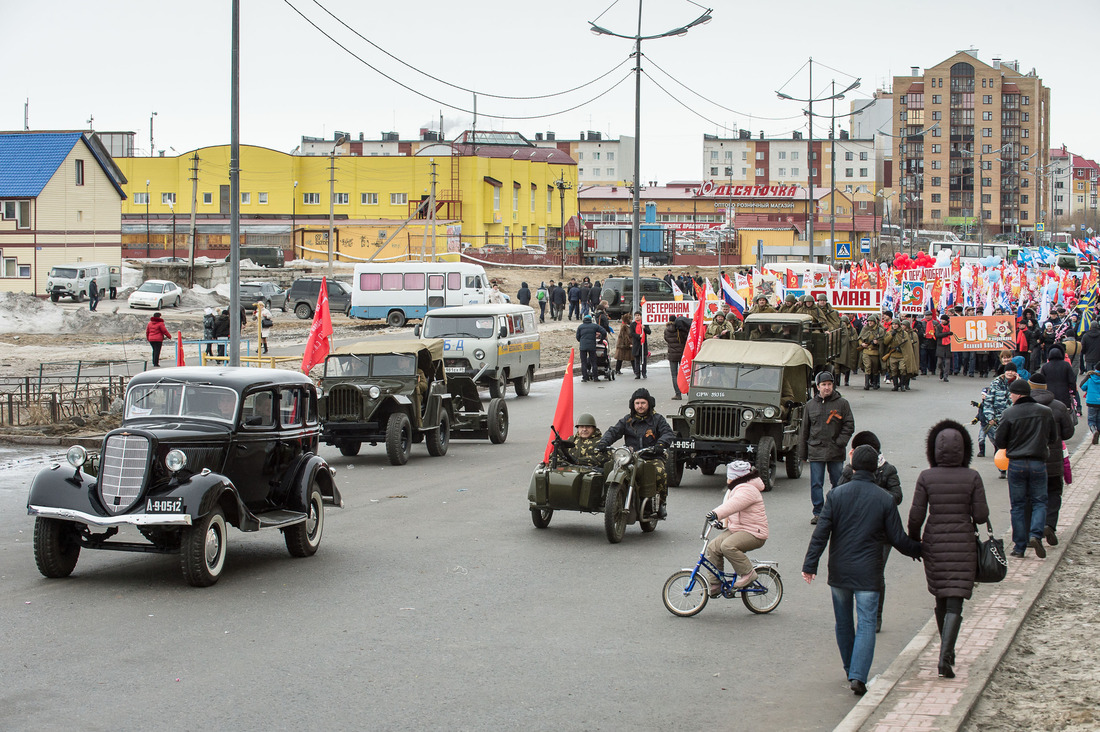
column 175, row 460
column 770, row 412
column 622, row 456
column 747, row 415
column 77, row 456
column 374, row 392
column 479, row 354
column 689, row 412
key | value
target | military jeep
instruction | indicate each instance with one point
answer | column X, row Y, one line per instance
column 824, row 344
column 745, row 402
column 396, row 392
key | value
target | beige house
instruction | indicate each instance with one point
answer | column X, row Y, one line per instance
column 60, row 202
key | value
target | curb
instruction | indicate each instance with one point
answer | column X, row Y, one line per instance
column 556, row 372
column 871, row 711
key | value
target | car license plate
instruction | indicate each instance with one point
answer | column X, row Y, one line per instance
column 683, row 444
column 163, row 505
column 455, row 370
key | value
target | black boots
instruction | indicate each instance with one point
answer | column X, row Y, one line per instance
column 949, row 633
column 866, row 382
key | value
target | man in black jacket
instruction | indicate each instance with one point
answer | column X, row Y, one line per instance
column 221, row 330
column 827, row 425
column 586, row 337
column 1090, row 347
column 858, row 517
column 1024, row 433
column 1063, row 430
column 643, row 427
column 557, row 301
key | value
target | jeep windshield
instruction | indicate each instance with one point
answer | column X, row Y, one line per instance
column 727, row 376
column 396, row 364
column 64, row 272
column 469, row 326
column 200, row 401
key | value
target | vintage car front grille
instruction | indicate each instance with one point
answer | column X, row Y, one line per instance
column 122, row 473
column 718, row 422
column 343, row 403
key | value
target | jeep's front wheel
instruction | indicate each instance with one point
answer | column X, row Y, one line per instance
column 56, row 546
column 349, row 448
column 793, row 462
column 303, row 539
column 674, row 468
column 439, row 438
column 765, row 461
column 202, row 550
column 398, row 438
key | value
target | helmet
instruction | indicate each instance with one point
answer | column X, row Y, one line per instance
column 761, row 297
column 808, row 299
column 791, row 299
column 873, row 317
column 822, row 299
column 586, row 420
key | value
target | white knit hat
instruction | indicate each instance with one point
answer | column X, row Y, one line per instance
column 737, row 469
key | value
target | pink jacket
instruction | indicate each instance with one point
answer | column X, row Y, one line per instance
column 743, row 509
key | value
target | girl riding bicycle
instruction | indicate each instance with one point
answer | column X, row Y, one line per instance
column 745, row 521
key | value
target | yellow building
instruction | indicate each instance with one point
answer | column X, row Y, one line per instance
column 492, row 191
column 59, row 204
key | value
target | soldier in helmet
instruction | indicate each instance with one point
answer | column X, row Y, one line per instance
column 790, row 304
column 895, row 345
column 761, row 305
column 832, row 319
column 720, row 327
column 870, row 341
column 586, row 439
column 809, row 307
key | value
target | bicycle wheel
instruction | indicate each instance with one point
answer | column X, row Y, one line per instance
column 678, row 600
column 763, row 595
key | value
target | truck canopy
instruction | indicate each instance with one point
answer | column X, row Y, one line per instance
column 754, row 353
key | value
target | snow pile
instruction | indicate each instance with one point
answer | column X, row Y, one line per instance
column 21, row 312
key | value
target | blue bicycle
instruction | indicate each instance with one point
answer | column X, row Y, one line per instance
column 686, row 592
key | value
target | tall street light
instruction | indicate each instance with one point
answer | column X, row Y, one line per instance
column 885, row 195
column 147, row 228
column 636, row 225
column 562, row 187
column 332, row 196
column 902, row 197
column 294, row 218
column 810, row 146
column 151, row 152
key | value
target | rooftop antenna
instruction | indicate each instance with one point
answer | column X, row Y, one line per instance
column 91, row 119
column 27, row 115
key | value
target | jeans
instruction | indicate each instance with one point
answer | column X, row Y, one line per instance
column 574, row 309
column 542, row 311
column 1094, row 417
column 856, row 642
column 1027, row 486
column 817, row 480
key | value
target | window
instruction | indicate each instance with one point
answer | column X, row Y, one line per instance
column 863, row 172
column 11, row 267
column 595, row 172
column 610, row 172
column 399, row 199
column 596, row 155
column 937, row 181
column 987, row 98
column 496, row 196
column 935, row 132
column 987, row 132
column 246, row 198
column 729, row 156
column 369, row 281
column 987, row 149
column 987, row 182
column 1023, row 215
column 515, row 193
column 392, row 281
column 340, row 199
column 782, row 155
column 744, row 173
column 814, row 172
column 1024, row 199
column 368, row 199
column 140, row 199
column 258, row 409
column 936, row 197
column 532, row 200
column 987, row 198
column 549, row 200
column 1025, row 116
column 454, row 280
column 1080, row 199
column 1025, row 132
column 987, row 165
column 848, row 156
column 207, row 198
column 937, row 116
column 1025, row 153
column 987, row 214
column 936, row 213
column 936, row 149
column 262, row 198
column 849, row 172
column 414, row 281
column 311, row 199
column 610, row 156
column 934, row 164
column 863, row 156
column 902, row 115
column 580, row 156
column 759, row 172
column 937, row 99
column 1025, row 100
column 714, row 171
column 714, row 156
column 987, row 116
column 290, row 407
column 782, row 172
column 167, row 198
column 794, row 172
column 794, row 155
column 79, row 172
column 759, row 154
column 745, row 155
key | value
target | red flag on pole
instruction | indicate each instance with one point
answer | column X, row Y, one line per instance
column 792, row 280
column 691, row 347
column 563, row 414
column 320, row 333
column 179, row 349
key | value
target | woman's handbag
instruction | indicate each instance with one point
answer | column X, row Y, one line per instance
column 992, row 563
column 265, row 323
column 1067, row 469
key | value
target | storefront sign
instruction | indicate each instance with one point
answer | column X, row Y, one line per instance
column 982, row 332
column 708, row 189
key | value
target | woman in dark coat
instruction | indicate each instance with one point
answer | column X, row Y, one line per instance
column 1062, row 380
column 623, row 351
column 952, row 497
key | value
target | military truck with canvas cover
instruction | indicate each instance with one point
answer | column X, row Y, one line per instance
column 823, row 344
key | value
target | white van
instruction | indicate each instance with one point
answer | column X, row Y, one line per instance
column 800, row 268
column 399, row 291
column 496, row 343
column 72, row 280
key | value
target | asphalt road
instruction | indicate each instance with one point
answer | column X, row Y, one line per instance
column 434, row 603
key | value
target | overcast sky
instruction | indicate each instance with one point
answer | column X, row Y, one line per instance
column 120, row 61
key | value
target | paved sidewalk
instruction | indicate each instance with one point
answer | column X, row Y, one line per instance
column 909, row 695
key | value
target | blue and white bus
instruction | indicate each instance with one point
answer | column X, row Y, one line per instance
column 399, row 291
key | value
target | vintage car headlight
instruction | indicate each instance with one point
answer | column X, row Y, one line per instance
column 747, row 415
column 622, row 456
column 77, row 456
column 175, row 460
column 374, row 392
column 770, row 412
column 689, row 412
column 479, row 354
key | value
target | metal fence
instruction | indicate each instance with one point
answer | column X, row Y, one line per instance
column 64, row 389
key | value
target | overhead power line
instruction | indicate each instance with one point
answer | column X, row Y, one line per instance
column 717, row 104
column 480, row 113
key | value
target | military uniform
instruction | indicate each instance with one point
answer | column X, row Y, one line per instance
column 723, row 329
column 758, row 307
column 894, row 343
column 869, row 339
column 831, row 317
column 911, row 362
column 640, row 431
column 587, row 450
column 790, row 304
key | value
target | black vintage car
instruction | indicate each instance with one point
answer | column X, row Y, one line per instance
column 198, row 448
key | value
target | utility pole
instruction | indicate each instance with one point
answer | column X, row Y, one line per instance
column 235, row 186
column 431, row 199
column 811, row 205
column 332, row 199
column 191, row 233
column 562, row 187
column 832, row 180
column 151, row 150
column 27, row 115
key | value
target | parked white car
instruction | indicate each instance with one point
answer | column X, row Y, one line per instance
column 156, row 294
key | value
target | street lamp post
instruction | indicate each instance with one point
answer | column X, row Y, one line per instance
column 331, row 198
column 294, row 219
column 636, row 226
column 172, row 208
column 810, row 147
column 151, row 152
column 885, row 196
column 562, row 187
column 147, row 228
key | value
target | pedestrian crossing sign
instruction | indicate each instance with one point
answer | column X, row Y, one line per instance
column 842, row 250
column 1040, row 226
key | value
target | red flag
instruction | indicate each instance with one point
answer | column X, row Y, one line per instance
column 179, row 349
column 320, row 333
column 792, row 280
column 563, row 414
column 691, row 347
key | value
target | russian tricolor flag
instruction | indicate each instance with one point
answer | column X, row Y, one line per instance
column 733, row 298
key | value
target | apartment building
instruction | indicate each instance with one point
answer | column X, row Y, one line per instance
column 601, row 160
